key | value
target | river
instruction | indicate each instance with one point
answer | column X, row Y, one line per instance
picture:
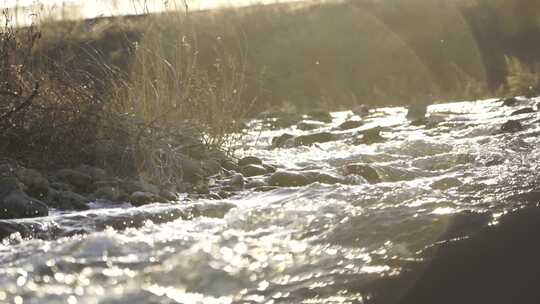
column 310, row 244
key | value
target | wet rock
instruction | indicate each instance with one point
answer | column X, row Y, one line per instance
column 168, row 195
column 369, row 136
column 323, row 116
column 14, row 203
column 81, row 181
column 320, row 177
column 60, row 186
column 288, row 179
column 350, row 124
column 265, row 188
column 308, row 140
column 523, row 111
column 252, row 170
column 67, row 200
column 269, row 168
column 511, row 126
column 249, row 160
column 309, row 125
column 35, row 184
column 255, row 184
column 140, row 198
column 446, row 183
column 417, row 111
column 510, row 102
column 283, row 122
column 237, row 181
column 230, row 166
column 361, row 110
column 110, row 193
column 281, row 141
column 363, row 170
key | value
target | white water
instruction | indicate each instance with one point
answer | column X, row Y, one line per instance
column 314, row 244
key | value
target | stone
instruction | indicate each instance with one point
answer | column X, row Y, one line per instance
column 308, row 140
column 192, row 171
column 110, row 193
column 511, row 126
column 35, row 184
column 60, row 186
column 269, row 168
column 168, row 195
column 237, row 180
column 320, row 177
column 230, row 166
column 81, row 181
column 255, row 184
column 253, row 170
column 95, row 173
column 361, row 110
column 363, row 170
column 320, row 115
column 14, row 203
column 67, row 200
column 211, row 167
column 309, row 125
column 370, row 136
column 282, row 140
column 510, row 102
column 249, row 160
column 288, row 179
column 523, row 111
column 131, row 186
column 140, row 198
column 350, row 124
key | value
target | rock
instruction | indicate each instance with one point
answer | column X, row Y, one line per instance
column 288, row 179
column 510, row 102
column 230, row 166
column 319, row 115
column 95, row 173
column 511, row 126
column 361, row 110
column 255, row 184
column 283, row 122
column 253, row 170
column 249, row 160
column 308, row 140
column 60, row 186
column 417, row 110
column 36, row 184
column 81, row 181
column 350, row 124
column 131, row 186
column 192, row 171
column 320, row 177
column 523, row 111
column 14, row 203
column 237, row 181
column 446, row 183
column 140, row 198
column 309, row 125
column 211, row 167
column 269, row 168
column 168, row 195
column 281, row 141
column 66, row 200
column 369, row 136
column 365, row 171
column 110, row 193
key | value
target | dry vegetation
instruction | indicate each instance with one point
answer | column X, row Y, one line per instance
column 129, row 88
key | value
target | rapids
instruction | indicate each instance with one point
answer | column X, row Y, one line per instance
column 313, row 244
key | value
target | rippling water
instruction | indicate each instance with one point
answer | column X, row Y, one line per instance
column 313, row 244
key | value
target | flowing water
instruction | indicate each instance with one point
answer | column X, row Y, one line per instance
column 313, row 244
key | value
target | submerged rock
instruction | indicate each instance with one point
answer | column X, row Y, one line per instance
column 309, row 125
column 446, row 183
column 511, row 126
column 369, row 136
column 14, row 203
column 282, row 140
column 288, row 179
column 361, row 110
column 308, row 140
column 523, row 111
column 364, row 171
column 350, row 124
column 140, row 198
column 510, row 102
column 321, row 177
column 237, row 180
